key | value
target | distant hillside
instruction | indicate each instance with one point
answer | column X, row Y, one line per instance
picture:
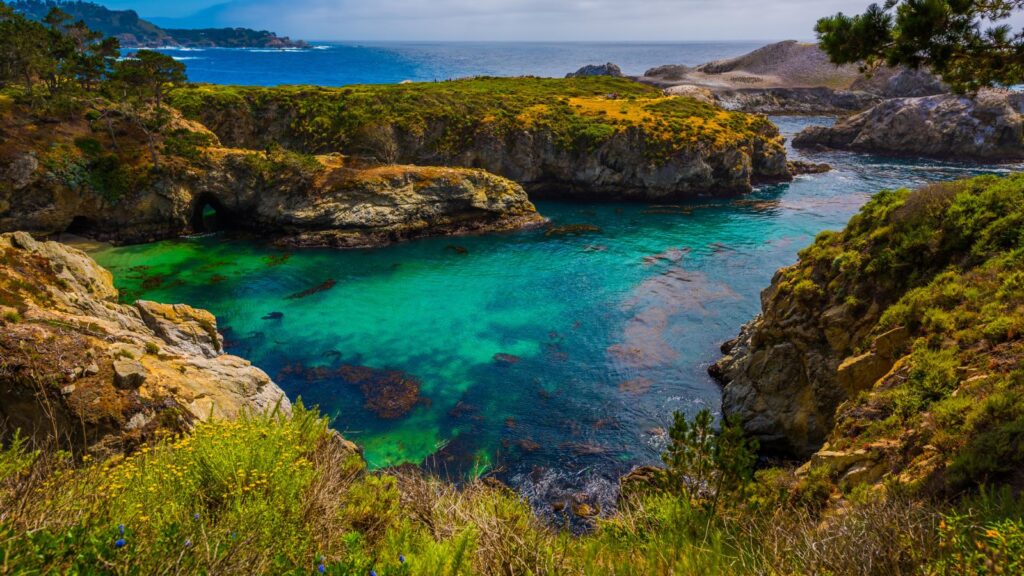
column 135, row 32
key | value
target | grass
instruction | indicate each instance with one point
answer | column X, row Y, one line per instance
column 279, row 494
column 580, row 113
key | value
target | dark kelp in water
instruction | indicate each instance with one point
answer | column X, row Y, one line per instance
column 323, row 287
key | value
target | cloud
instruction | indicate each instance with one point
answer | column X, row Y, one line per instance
column 566, row 20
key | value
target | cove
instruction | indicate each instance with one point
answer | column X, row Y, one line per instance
column 554, row 360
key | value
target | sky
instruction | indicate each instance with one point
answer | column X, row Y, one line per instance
column 504, row 20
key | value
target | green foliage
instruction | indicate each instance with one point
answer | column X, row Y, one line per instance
column 581, row 114
column 186, row 144
column 966, row 42
column 704, row 465
column 985, row 536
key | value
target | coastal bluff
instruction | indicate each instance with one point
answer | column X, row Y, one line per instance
column 105, row 376
column 590, row 138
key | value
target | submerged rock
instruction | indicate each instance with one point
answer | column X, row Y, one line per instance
column 322, row 287
column 573, row 230
column 389, row 394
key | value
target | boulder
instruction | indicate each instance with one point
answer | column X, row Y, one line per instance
column 129, row 374
column 989, row 127
column 184, row 327
column 608, row 69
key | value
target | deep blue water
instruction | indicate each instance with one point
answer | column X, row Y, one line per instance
column 337, row 64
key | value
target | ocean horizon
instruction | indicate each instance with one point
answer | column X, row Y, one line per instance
column 340, row 63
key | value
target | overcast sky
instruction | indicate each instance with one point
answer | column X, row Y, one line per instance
column 652, row 20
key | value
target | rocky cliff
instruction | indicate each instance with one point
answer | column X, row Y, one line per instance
column 595, row 138
column 78, row 366
column 792, row 77
column 988, row 127
column 79, row 177
column 893, row 349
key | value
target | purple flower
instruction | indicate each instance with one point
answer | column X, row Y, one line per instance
column 373, row 573
column 120, row 528
column 188, row 543
column 401, row 559
column 195, row 516
column 119, row 543
column 321, row 568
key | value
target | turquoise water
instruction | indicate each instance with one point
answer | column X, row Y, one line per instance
column 554, row 361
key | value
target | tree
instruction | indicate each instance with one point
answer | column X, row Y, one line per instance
column 24, row 50
column 702, row 464
column 143, row 81
column 149, row 75
column 966, row 42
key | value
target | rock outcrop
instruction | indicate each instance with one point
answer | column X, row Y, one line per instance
column 300, row 200
column 989, row 127
column 608, row 69
column 78, row 366
column 584, row 138
column 792, row 78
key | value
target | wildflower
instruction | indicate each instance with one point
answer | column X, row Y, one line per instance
column 120, row 528
column 373, row 573
column 992, row 533
column 119, row 543
column 401, row 559
column 195, row 516
column 188, row 543
column 321, row 568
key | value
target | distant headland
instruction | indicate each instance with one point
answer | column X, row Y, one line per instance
column 135, row 32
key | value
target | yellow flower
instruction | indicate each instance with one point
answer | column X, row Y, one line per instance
column 992, row 533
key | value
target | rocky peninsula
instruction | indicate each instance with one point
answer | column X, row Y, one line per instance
column 986, row 127
column 84, row 180
column 590, row 138
column 791, row 77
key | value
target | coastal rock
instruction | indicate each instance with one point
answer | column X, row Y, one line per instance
column 989, row 127
column 798, row 167
column 793, row 77
column 70, row 328
column 792, row 366
column 187, row 328
column 624, row 157
column 300, row 201
column 608, row 69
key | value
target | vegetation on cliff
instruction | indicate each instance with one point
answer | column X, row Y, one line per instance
column 581, row 113
column 946, row 264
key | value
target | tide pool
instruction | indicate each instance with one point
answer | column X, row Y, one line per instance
column 553, row 361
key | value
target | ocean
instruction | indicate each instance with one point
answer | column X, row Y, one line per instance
column 338, row 63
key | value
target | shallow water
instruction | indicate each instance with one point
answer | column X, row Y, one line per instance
column 556, row 361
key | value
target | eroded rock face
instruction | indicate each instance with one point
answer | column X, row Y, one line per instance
column 989, row 127
column 793, row 365
column 627, row 165
column 330, row 205
column 103, row 375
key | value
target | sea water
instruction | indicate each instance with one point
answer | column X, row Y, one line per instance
column 338, row 63
column 554, row 362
